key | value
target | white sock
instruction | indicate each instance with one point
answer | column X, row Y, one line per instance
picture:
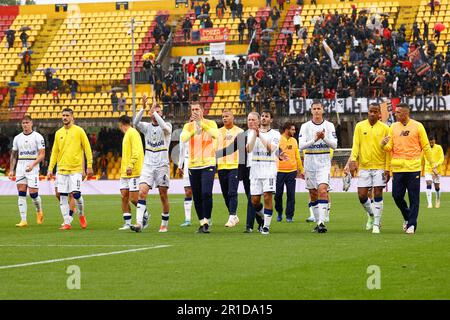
column 164, row 219
column 311, row 211
column 438, row 195
column 315, row 210
column 127, row 218
column 322, row 209
column 79, row 203
column 140, row 210
column 377, row 212
column 22, row 202
column 368, row 207
column 64, row 206
column 37, row 203
column 187, row 209
column 328, row 212
column 429, row 196
column 267, row 218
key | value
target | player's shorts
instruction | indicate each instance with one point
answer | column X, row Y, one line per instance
column 68, row 183
column 30, row 179
column 155, row 177
column 186, row 181
column 371, row 178
column 261, row 186
column 130, row 184
column 315, row 178
column 435, row 179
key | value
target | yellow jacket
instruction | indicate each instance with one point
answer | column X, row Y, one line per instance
column 437, row 155
column 132, row 154
column 224, row 139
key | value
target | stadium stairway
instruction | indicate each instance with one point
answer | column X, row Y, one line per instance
column 288, row 24
column 22, row 105
column 179, row 35
column 147, row 45
column 407, row 15
column 6, row 20
column 277, row 35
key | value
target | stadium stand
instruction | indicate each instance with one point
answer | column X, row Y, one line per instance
column 441, row 15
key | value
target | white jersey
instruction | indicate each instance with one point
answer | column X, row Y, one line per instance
column 264, row 163
column 156, row 143
column 27, row 147
column 183, row 158
column 317, row 154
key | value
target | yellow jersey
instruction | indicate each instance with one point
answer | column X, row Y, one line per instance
column 227, row 136
column 366, row 149
column 69, row 148
column 202, row 143
column 132, row 154
column 290, row 147
column 407, row 143
column 437, row 155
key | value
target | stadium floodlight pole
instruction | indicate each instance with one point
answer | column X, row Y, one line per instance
column 132, row 24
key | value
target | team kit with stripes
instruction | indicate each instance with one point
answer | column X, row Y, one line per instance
column 264, row 159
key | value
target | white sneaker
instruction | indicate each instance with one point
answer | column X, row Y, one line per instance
column 405, row 224
column 125, row 227
column 410, row 230
column 369, row 224
column 70, row 221
column 375, row 229
column 430, row 206
column 163, row 229
column 438, row 204
column 233, row 220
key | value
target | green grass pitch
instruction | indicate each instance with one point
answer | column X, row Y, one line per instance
column 290, row 263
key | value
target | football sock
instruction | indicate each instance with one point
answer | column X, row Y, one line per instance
column 165, row 219
column 429, row 195
column 315, row 209
column 80, row 205
column 322, row 209
column 36, row 199
column 259, row 210
column 127, row 218
column 22, row 202
column 267, row 217
column 438, row 194
column 70, row 212
column 328, row 211
column 140, row 210
column 378, row 210
column 367, row 204
column 64, row 206
column 187, row 209
column 311, row 212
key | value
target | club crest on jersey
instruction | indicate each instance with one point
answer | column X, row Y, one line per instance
column 404, row 133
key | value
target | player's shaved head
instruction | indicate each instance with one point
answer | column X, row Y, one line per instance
column 374, row 113
column 402, row 113
column 67, row 117
column 125, row 120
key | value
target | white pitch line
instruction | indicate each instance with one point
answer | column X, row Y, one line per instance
column 81, row 257
column 71, row 245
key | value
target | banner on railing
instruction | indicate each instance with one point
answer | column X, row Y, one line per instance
column 207, row 35
column 217, row 50
column 360, row 105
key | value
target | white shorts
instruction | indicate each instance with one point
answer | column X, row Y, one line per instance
column 130, row 184
column 155, row 177
column 68, row 183
column 429, row 177
column 261, row 186
column 186, row 181
column 30, row 179
column 371, row 178
column 315, row 178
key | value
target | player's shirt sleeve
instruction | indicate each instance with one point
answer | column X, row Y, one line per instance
column 302, row 142
column 15, row 145
column 425, row 144
column 187, row 132
column 330, row 136
column 211, row 128
column 441, row 158
column 86, row 147
column 275, row 143
column 388, row 146
column 134, row 141
column 141, row 126
column 181, row 154
column 355, row 147
column 40, row 142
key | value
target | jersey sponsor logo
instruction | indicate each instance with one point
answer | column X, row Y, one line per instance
column 404, row 133
column 289, row 147
column 27, row 153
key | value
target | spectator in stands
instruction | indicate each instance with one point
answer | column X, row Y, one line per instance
column 201, row 69
column 103, row 164
column 263, row 23
column 289, row 42
column 432, row 6
column 239, row 9
column 191, row 68
column 187, row 26
column 233, row 9
column 437, row 35
column 49, row 79
column 26, row 60
column 425, row 30
column 275, row 16
column 121, row 102
column 416, row 32
column 212, row 85
column 197, row 9
column 73, row 86
column 55, row 94
column 157, row 33
column 206, row 7
column 10, row 37
column 148, row 67
column 385, row 22
column 281, row 4
column 24, row 39
column 220, row 10
column 114, row 101
column 208, row 23
column 241, row 30
column 297, row 20
column 269, row 3
column 251, row 22
column 12, row 97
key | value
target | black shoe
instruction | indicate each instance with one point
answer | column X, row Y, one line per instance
column 322, row 228
column 205, row 228
column 248, row 230
column 260, row 227
column 315, row 230
column 265, row 231
column 136, row 228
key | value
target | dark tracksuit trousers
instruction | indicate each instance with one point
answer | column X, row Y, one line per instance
column 229, row 183
column 402, row 181
column 251, row 213
column 288, row 179
column 202, row 181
